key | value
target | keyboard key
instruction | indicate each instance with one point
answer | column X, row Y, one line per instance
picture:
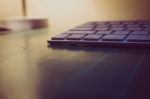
column 143, row 22
column 121, row 32
column 146, row 26
column 147, row 29
column 80, row 32
column 104, row 32
column 60, row 37
column 112, row 37
column 92, row 37
column 139, row 38
column 75, row 37
column 81, row 29
column 117, row 26
column 116, row 29
column 115, row 23
column 129, row 22
column 102, row 29
column 134, row 29
column 139, row 32
column 102, row 26
column 133, row 26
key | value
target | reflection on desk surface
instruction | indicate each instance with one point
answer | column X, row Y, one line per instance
column 29, row 69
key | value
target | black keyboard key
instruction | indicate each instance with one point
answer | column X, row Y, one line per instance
column 146, row 26
column 92, row 37
column 143, row 22
column 60, row 37
column 82, row 29
column 75, row 37
column 117, row 26
column 80, row 32
column 102, row 26
column 133, row 26
column 129, row 22
column 147, row 29
column 104, row 32
column 134, row 29
column 102, row 29
column 140, row 32
column 114, row 37
column 116, row 29
column 121, row 32
column 139, row 38
column 115, row 23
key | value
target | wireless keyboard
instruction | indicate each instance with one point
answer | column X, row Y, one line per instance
column 108, row 33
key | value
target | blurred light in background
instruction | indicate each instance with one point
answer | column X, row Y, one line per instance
column 65, row 14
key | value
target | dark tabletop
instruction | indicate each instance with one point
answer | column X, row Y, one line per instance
column 29, row 69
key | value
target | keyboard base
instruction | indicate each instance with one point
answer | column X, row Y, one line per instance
column 98, row 44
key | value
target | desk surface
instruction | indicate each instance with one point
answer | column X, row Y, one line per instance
column 29, row 69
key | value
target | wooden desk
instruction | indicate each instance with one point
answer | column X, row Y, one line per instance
column 29, row 69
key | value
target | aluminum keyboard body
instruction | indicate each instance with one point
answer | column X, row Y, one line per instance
column 108, row 33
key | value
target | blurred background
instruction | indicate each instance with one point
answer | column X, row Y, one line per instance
column 65, row 14
column 18, row 75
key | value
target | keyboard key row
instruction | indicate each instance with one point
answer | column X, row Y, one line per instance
column 112, row 26
column 82, row 28
column 105, row 32
column 109, row 37
column 80, row 32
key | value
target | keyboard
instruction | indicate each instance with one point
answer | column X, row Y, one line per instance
column 106, row 34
